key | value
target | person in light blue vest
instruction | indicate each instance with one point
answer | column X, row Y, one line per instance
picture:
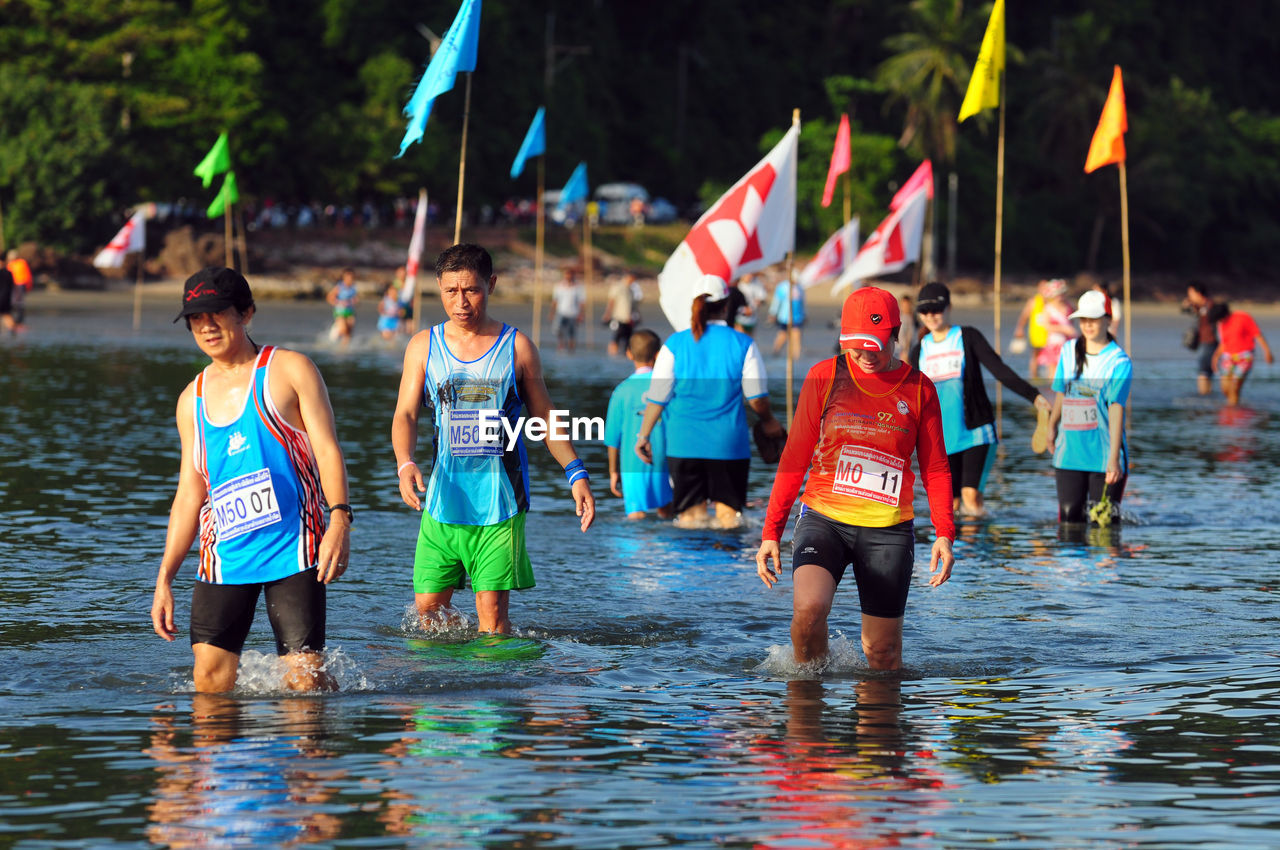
column 476, row 373
column 953, row 357
column 698, row 384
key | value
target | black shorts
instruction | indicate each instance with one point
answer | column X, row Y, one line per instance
column 882, row 558
column 622, row 333
column 1078, row 489
column 694, row 480
column 969, row 468
column 221, row 614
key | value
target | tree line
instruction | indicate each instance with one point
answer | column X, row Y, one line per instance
column 104, row 104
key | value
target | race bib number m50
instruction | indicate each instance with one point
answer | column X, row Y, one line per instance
column 471, row 435
column 244, row 504
column 869, row 474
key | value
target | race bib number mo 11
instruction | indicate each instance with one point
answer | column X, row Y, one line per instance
column 869, row 474
column 471, row 435
column 245, row 504
column 1079, row 414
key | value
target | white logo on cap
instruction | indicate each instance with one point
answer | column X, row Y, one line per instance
column 875, row 318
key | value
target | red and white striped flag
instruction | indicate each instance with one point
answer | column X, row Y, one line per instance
column 132, row 238
column 893, row 245
column 833, row 256
column 416, row 244
column 753, row 225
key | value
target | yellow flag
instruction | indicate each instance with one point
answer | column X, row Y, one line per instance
column 1108, row 140
column 984, row 85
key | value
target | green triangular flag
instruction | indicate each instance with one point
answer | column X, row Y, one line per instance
column 216, row 161
column 228, row 194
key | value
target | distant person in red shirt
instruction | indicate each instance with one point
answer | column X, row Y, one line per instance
column 1237, row 335
column 861, row 416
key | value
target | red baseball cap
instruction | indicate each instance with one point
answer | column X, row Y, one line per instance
column 869, row 320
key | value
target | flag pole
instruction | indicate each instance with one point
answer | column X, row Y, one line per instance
column 587, row 274
column 791, row 282
column 417, row 284
column 462, row 162
column 537, row 252
column 242, row 244
column 1124, row 244
column 226, row 232
column 848, row 194
column 999, row 244
column 137, row 294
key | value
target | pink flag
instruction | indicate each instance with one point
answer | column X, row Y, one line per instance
column 893, row 246
column 833, row 256
column 416, row 243
column 753, row 225
column 922, row 178
column 840, row 159
column 132, row 238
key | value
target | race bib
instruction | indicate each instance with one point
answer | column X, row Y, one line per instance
column 1079, row 414
column 869, row 474
column 244, row 504
column 944, row 366
column 470, row 435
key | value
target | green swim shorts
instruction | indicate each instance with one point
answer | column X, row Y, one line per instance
column 494, row 556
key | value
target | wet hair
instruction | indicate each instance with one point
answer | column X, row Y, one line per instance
column 704, row 311
column 1219, row 311
column 644, row 346
column 465, row 257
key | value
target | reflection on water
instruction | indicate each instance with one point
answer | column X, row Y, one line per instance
column 223, row 780
column 1068, row 687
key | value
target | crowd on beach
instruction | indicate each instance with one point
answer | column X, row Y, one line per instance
column 263, row 487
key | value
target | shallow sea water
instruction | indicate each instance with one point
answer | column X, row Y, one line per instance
column 1104, row 688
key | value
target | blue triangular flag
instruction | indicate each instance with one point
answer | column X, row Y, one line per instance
column 457, row 52
column 576, row 189
column 534, row 144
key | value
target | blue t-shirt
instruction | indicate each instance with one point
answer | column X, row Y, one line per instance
column 1084, row 431
column 704, row 414
column 645, row 486
column 944, row 363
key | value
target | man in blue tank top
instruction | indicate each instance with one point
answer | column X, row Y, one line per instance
column 263, row 484
column 476, row 373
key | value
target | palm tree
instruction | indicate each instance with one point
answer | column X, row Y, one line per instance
column 928, row 73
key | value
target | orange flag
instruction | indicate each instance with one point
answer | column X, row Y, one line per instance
column 1108, row 139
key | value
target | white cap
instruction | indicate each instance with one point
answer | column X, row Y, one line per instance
column 712, row 286
column 1092, row 305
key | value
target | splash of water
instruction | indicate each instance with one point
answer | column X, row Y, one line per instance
column 844, row 656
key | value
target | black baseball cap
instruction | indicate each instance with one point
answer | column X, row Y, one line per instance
column 933, row 298
column 214, row 289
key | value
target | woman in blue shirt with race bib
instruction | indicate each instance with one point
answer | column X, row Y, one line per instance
column 1086, row 427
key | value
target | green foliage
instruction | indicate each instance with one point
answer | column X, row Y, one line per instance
column 110, row 102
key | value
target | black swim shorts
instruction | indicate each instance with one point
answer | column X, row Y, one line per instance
column 882, row 558
column 695, row 480
column 221, row 614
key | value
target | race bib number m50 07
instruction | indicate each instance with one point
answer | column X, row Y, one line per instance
column 244, row 504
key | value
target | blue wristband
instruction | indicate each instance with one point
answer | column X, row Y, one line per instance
column 575, row 470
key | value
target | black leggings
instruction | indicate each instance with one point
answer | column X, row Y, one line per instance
column 1078, row 489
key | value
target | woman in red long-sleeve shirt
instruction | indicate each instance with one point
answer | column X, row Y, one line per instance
column 861, row 416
